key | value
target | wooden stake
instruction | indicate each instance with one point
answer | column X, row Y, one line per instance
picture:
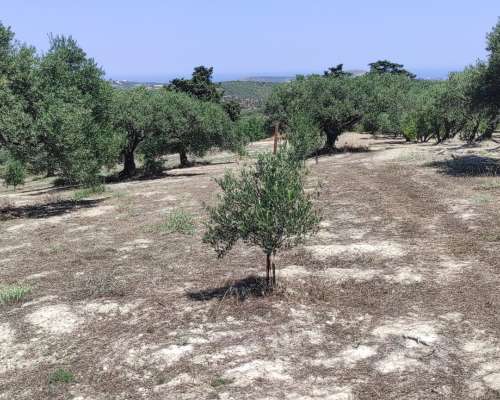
column 276, row 135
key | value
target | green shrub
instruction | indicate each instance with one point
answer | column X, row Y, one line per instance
column 13, row 293
column 14, row 174
column 251, row 127
column 265, row 206
column 304, row 136
column 179, row 221
column 61, row 376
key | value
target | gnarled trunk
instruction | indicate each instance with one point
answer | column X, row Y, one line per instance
column 331, row 137
column 183, row 158
column 129, row 168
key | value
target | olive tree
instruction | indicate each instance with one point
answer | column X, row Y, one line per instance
column 18, row 95
column 333, row 103
column 14, row 173
column 73, row 124
column 134, row 119
column 194, row 126
column 265, row 206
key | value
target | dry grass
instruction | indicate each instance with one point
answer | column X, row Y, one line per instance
column 135, row 313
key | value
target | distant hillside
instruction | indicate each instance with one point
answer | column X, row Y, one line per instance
column 250, row 94
column 131, row 84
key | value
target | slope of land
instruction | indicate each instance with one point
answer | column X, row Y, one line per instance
column 251, row 94
column 396, row 297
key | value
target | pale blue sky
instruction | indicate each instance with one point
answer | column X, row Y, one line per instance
column 154, row 39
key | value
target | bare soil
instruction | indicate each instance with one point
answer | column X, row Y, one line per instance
column 396, row 297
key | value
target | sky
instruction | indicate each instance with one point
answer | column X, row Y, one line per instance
column 157, row 40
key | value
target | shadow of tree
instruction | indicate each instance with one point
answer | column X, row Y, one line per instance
column 347, row 148
column 116, row 178
column 241, row 289
column 471, row 165
column 45, row 210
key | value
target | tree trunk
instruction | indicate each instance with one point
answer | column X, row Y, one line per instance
column 274, row 273
column 331, row 138
column 183, row 158
column 268, row 268
column 129, row 168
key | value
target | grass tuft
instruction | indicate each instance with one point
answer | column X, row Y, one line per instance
column 218, row 382
column 178, row 221
column 482, row 199
column 61, row 376
column 88, row 192
column 10, row 294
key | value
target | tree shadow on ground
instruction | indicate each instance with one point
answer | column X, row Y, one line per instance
column 148, row 177
column 241, row 289
column 471, row 165
column 47, row 190
column 325, row 151
column 45, row 210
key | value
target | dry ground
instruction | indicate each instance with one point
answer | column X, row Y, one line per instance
column 397, row 297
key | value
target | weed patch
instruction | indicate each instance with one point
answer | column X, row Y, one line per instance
column 61, row 376
column 178, row 221
column 10, row 294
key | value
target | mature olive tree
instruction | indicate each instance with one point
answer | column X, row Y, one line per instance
column 18, row 95
column 334, row 104
column 265, row 206
column 196, row 126
column 135, row 113
column 73, row 126
column 386, row 97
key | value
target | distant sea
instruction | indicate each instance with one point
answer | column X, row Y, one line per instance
column 422, row 73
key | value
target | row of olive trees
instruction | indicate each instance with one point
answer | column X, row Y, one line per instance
column 59, row 116
column 390, row 100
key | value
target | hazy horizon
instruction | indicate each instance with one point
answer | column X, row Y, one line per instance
column 430, row 73
column 158, row 40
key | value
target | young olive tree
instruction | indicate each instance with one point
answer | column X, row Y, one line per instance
column 265, row 206
column 14, row 174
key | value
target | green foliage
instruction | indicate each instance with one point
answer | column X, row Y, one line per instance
column 251, row 128
column 265, row 206
column 304, row 137
column 388, row 67
column 61, row 376
column 334, row 104
column 10, row 294
column 136, row 119
column 14, row 174
column 199, row 86
column 336, row 71
column 232, row 108
column 179, row 221
column 74, row 134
